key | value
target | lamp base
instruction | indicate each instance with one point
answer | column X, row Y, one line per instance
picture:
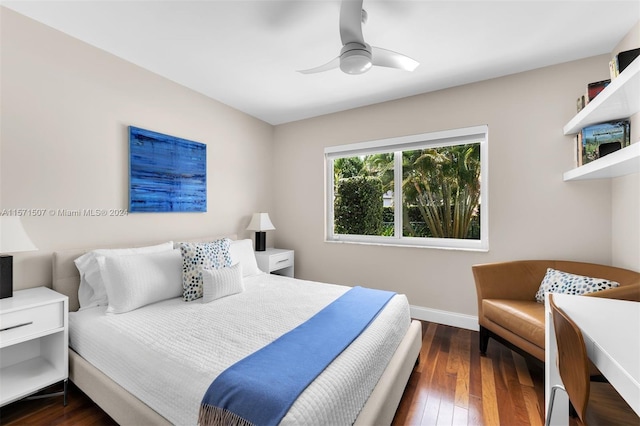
column 261, row 240
column 6, row 276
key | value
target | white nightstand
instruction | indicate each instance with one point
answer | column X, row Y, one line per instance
column 276, row 261
column 34, row 340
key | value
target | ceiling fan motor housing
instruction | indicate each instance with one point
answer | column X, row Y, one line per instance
column 355, row 58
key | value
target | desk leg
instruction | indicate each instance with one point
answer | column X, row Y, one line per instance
column 560, row 413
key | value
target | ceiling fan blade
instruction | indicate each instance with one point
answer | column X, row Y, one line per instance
column 388, row 58
column 334, row 63
column 351, row 22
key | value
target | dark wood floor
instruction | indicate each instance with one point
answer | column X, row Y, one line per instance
column 452, row 385
column 80, row 411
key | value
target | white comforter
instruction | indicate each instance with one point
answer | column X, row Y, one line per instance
column 167, row 354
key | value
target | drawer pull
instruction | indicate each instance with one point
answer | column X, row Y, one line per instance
column 282, row 261
column 17, row 326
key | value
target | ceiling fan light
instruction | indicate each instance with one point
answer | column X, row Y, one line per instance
column 355, row 61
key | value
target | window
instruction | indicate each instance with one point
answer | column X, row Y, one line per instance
column 426, row 190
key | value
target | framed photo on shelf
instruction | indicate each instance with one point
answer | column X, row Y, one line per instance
column 598, row 140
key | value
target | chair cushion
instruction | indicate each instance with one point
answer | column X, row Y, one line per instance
column 522, row 317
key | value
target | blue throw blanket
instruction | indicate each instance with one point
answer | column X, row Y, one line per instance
column 260, row 389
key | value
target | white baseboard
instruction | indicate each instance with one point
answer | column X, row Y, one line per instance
column 453, row 319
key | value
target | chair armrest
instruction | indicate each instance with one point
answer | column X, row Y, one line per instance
column 516, row 280
column 624, row 292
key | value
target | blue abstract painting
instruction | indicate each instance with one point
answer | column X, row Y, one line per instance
column 166, row 173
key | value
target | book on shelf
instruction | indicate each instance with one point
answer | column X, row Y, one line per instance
column 593, row 89
column 598, row 140
column 622, row 61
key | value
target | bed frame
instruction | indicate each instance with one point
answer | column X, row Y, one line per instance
column 126, row 409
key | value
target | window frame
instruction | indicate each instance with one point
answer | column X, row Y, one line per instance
column 474, row 134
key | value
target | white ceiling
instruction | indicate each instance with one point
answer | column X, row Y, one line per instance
column 246, row 53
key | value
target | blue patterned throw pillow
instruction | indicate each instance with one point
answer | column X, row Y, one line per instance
column 199, row 256
column 563, row 282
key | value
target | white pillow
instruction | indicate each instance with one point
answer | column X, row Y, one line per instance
column 242, row 252
column 217, row 283
column 563, row 282
column 92, row 291
column 136, row 280
column 199, row 256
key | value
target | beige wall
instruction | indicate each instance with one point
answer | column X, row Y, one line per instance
column 625, row 190
column 533, row 213
column 65, row 111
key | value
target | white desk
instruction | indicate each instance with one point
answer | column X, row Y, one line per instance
column 611, row 330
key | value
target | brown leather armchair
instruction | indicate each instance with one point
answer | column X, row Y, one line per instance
column 508, row 311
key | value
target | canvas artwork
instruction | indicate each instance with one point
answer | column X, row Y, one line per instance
column 166, row 173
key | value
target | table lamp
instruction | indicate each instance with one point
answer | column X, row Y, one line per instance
column 260, row 222
column 13, row 238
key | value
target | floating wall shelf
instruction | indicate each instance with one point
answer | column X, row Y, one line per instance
column 623, row 162
column 619, row 100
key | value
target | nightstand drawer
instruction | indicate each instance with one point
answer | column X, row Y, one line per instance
column 19, row 325
column 276, row 261
column 281, row 260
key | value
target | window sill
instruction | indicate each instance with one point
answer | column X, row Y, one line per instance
column 408, row 245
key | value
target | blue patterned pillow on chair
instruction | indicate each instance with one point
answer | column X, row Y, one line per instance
column 199, row 256
column 563, row 282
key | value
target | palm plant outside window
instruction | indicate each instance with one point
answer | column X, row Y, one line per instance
column 420, row 190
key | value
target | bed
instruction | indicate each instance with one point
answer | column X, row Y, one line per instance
column 165, row 389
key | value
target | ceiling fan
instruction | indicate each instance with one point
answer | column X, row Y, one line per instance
column 356, row 56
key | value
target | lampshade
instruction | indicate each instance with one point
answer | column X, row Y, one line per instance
column 13, row 237
column 260, row 222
